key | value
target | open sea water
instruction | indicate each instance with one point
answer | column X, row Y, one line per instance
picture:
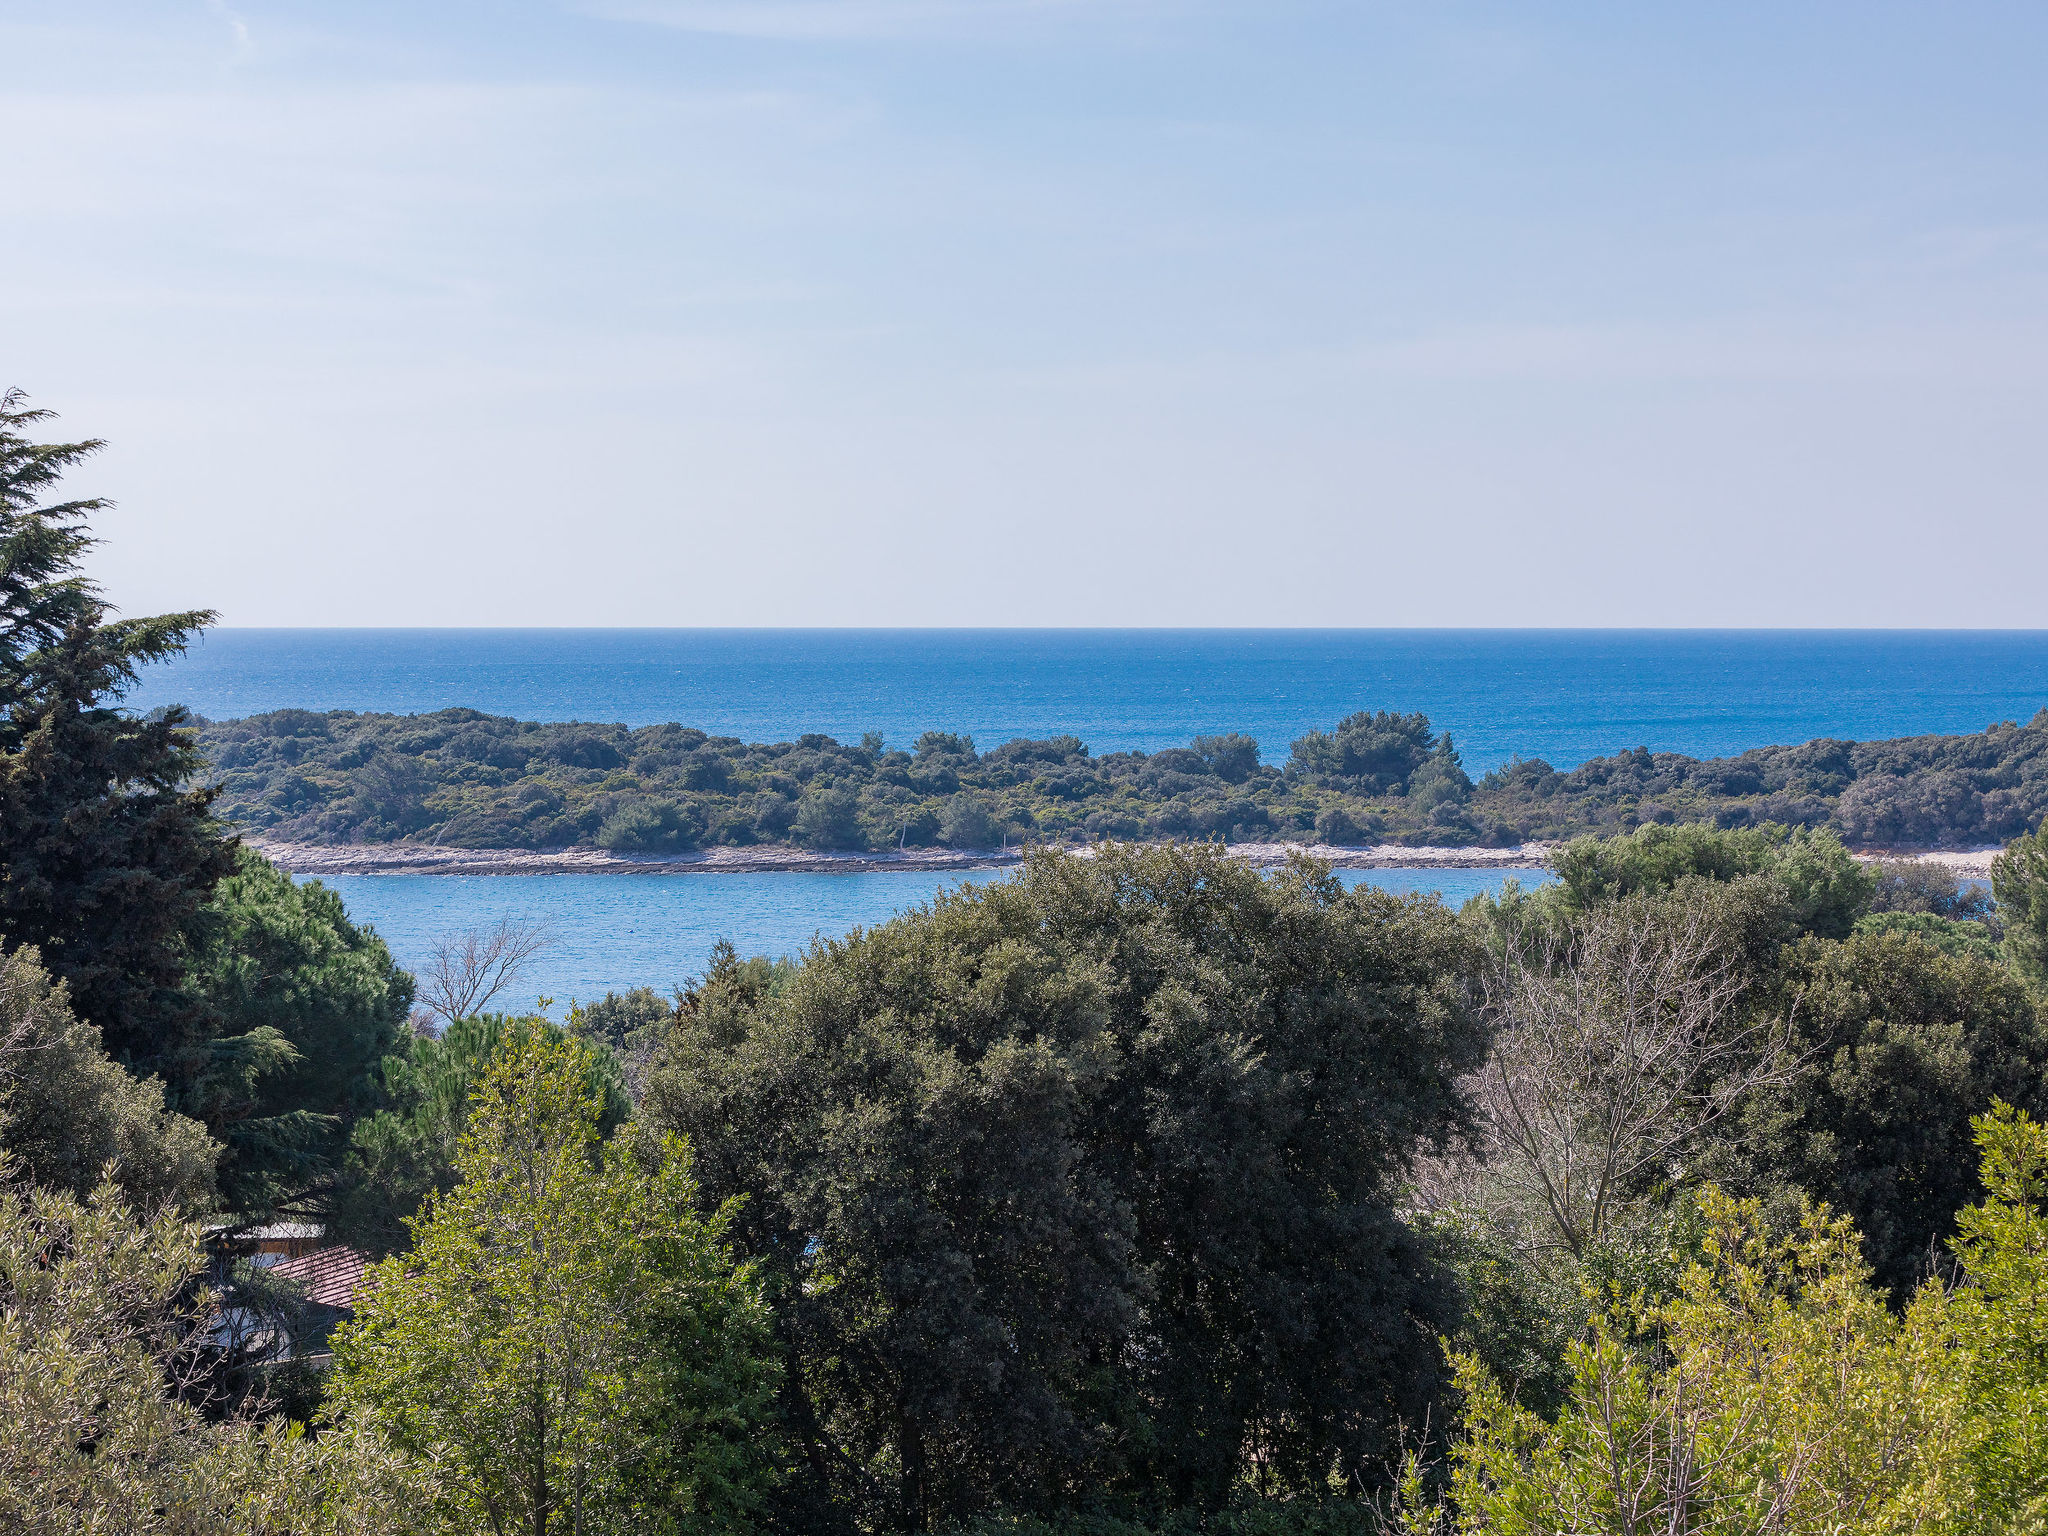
column 1562, row 695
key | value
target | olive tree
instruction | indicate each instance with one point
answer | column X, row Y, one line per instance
column 70, row 1116
column 107, row 1342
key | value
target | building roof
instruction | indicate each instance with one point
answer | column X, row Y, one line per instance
column 331, row 1276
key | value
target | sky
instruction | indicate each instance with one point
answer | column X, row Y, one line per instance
column 1041, row 312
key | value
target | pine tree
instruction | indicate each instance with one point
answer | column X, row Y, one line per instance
column 107, row 851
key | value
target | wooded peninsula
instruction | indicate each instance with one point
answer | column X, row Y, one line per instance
column 463, row 779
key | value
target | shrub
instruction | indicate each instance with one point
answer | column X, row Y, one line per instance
column 1903, row 1045
column 651, row 826
column 967, row 823
column 828, row 817
column 1337, row 827
column 1784, row 1395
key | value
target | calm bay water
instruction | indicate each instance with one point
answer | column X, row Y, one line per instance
column 1557, row 694
column 617, row 931
column 1563, row 695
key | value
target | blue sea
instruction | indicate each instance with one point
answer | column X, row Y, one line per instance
column 610, row 932
column 1562, row 695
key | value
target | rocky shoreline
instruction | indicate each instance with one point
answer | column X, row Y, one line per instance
column 422, row 859
column 419, row 859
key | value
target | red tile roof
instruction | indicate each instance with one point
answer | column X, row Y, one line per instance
column 330, row 1276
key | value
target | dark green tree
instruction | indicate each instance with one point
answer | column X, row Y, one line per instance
column 1337, row 826
column 107, row 851
column 618, row 1017
column 654, row 826
column 1232, row 758
column 828, row 817
column 1903, row 1045
column 303, row 1006
column 966, row 823
column 1442, row 779
column 1918, row 886
column 1826, row 889
column 2019, row 883
column 1947, row 934
column 1369, row 753
column 1084, row 1186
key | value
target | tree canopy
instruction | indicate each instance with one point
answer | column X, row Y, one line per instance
column 1902, row 1046
column 407, row 1149
column 71, row 1117
column 567, row 1347
column 2019, row 883
column 1086, row 1184
column 465, row 779
column 107, row 847
column 301, row 1006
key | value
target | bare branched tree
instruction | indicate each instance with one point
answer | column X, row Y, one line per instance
column 1617, row 1042
column 469, row 968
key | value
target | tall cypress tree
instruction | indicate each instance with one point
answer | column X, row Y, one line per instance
column 107, row 852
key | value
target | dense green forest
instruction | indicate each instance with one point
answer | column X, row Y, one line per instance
column 1702, row 1190
column 465, row 779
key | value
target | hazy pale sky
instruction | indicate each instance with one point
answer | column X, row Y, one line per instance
column 1042, row 311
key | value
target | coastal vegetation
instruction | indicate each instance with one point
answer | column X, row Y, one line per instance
column 1703, row 1189
column 1088, row 1185
column 458, row 778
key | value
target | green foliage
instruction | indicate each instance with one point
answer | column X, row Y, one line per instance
column 651, row 826
column 1085, row 1184
column 1367, row 753
column 103, row 1338
column 1825, row 887
column 1232, row 758
column 1782, row 1395
column 303, row 1005
column 1923, row 886
column 1776, row 1390
column 1899, row 1032
column 828, row 817
column 1519, row 1317
column 406, row 1151
column 2019, row 882
column 466, row 779
column 967, row 823
column 567, row 1347
column 1339, row 827
column 618, row 1017
column 71, row 1117
column 1903, row 1045
column 106, row 851
column 261, row 1007
column 1952, row 937
column 2003, row 1244
column 1249, row 1515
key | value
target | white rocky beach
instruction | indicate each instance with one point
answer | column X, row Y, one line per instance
column 426, row 859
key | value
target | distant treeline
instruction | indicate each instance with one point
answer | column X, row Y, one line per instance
column 465, row 779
